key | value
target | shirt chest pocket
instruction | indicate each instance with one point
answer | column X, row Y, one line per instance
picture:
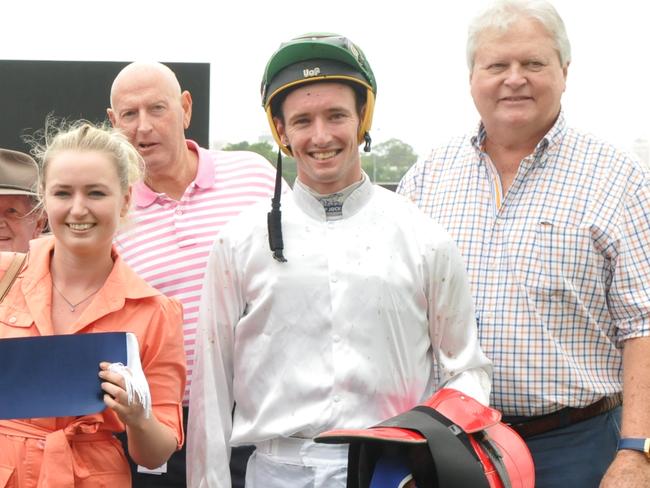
column 563, row 260
column 14, row 318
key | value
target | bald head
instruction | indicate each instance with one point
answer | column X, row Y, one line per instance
column 140, row 70
column 147, row 104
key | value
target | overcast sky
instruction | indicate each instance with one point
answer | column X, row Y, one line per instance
column 415, row 47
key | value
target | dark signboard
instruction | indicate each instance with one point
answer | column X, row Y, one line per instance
column 30, row 90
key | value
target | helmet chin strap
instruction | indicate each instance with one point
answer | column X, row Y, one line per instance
column 274, row 217
column 368, row 142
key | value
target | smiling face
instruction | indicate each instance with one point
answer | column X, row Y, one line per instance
column 148, row 106
column 84, row 201
column 517, row 80
column 18, row 223
column 320, row 124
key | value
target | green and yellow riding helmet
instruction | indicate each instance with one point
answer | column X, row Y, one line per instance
column 311, row 58
column 317, row 57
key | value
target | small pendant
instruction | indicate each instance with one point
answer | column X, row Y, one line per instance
column 72, row 309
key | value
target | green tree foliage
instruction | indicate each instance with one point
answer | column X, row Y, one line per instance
column 269, row 152
column 388, row 161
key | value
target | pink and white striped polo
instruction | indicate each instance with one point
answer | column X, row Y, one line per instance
column 167, row 242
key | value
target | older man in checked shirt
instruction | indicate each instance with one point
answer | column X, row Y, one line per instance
column 554, row 228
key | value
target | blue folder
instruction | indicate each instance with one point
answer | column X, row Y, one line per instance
column 56, row 376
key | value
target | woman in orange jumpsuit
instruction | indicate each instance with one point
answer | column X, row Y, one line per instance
column 75, row 283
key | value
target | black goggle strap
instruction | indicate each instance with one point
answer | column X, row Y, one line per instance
column 274, row 217
column 456, row 463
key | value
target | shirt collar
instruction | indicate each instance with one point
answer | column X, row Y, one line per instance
column 551, row 139
column 123, row 278
column 478, row 139
column 556, row 134
column 353, row 203
column 205, row 174
column 205, row 178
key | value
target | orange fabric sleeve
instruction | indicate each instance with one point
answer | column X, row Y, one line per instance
column 163, row 362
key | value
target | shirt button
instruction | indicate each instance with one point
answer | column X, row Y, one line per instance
column 336, row 398
column 337, row 338
column 179, row 211
column 41, row 444
column 12, row 320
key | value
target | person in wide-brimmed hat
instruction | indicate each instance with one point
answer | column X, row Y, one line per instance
column 20, row 217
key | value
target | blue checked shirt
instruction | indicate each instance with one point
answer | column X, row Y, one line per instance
column 559, row 266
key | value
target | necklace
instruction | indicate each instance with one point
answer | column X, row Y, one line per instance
column 73, row 306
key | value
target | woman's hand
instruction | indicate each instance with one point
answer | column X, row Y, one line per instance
column 150, row 442
column 116, row 398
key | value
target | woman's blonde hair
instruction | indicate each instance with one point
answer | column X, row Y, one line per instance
column 82, row 135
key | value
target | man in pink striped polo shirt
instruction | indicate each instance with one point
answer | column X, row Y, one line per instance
column 187, row 194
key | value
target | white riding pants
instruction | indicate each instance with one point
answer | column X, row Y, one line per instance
column 297, row 463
